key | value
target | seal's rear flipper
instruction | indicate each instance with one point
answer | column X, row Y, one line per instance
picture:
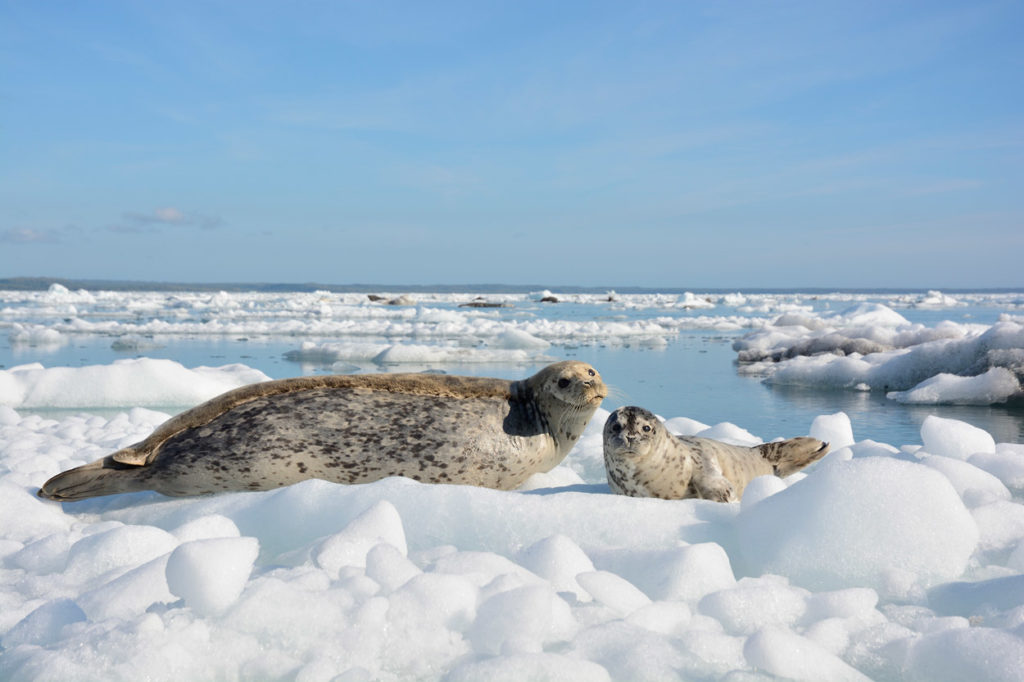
column 106, row 476
column 790, row 456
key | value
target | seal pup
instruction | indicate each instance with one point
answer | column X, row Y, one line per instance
column 643, row 459
column 354, row 429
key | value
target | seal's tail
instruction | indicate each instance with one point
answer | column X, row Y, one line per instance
column 103, row 477
column 790, row 456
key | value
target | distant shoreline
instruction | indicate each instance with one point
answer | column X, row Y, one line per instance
column 43, row 283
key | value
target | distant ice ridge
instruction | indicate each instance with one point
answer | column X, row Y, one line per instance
column 876, row 563
column 872, row 347
column 148, row 315
column 49, row 316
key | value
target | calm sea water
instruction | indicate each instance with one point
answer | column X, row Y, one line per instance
column 694, row 375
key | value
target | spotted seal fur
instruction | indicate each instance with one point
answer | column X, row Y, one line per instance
column 643, row 459
column 354, row 429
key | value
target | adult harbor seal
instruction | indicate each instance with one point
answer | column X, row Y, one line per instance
column 643, row 459
column 354, row 429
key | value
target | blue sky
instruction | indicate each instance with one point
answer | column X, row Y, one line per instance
column 660, row 144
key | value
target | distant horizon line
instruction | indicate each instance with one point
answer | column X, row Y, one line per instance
column 43, row 283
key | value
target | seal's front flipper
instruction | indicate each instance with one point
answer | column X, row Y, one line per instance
column 105, row 476
column 790, row 456
column 717, row 488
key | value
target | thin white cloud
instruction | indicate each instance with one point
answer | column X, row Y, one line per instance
column 167, row 216
column 26, row 235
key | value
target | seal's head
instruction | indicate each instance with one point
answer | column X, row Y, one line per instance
column 574, row 383
column 631, row 432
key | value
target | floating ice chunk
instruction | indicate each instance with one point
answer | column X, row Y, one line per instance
column 969, row 654
column 522, row 620
column 834, row 429
column 799, row 319
column 336, row 352
column 400, row 354
column 954, row 438
column 540, row 667
column 935, row 299
column 35, row 335
column 211, row 574
column 379, row 523
column 135, row 342
column 996, row 385
column 872, row 314
column 691, row 300
column 860, row 523
column 519, row 339
column 783, row 653
column 902, row 361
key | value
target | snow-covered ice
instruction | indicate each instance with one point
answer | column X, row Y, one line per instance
column 144, row 382
column 872, row 347
column 882, row 562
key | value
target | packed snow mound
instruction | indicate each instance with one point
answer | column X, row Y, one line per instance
column 143, row 382
column 869, row 522
column 873, row 564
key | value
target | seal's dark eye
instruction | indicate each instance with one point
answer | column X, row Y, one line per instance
column 616, row 428
column 591, row 372
column 647, row 428
column 563, row 383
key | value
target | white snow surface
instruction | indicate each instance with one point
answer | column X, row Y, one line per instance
column 875, row 563
column 872, row 347
column 143, row 382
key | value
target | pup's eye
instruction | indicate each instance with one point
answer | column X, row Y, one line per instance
column 616, row 428
column 647, row 428
column 563, row 383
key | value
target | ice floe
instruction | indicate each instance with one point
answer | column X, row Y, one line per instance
column 871, row 347
column 880, row 562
